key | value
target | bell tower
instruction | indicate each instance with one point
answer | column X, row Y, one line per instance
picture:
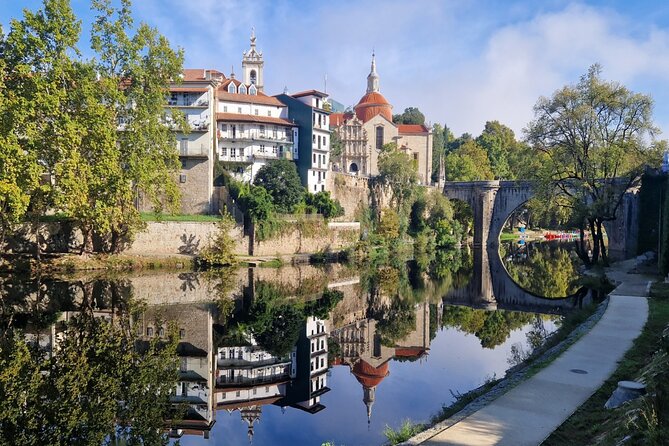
column 252, row 64
column 373, row 77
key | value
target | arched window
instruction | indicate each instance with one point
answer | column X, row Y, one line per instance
column 253, row 77
column 253, row 89
column 242, row 89
column 353, row 168
column 232, row 88
column 379, row 138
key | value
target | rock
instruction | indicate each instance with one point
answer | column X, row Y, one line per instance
column 626, row 391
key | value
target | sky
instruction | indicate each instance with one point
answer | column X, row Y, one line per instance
column 461, row 62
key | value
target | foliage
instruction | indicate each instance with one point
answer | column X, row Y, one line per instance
column 491, row 327
column 336, row 145
column 395, row 321
column 62, row 113
column 257, row 203
column 72, row 396
column 411, row 115
column 592, row 135
column 324, row 204
column 469, row 162
column 389, row 226
column 282, row 182
column 398, row 171
column 406, row 430
column 222, row 249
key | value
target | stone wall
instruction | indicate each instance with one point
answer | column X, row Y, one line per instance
column 351, row 191
column 338, row 236
column 186, row 238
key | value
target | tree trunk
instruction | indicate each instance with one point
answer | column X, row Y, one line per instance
column 605, row 257
column 595, row 241
column 580, row 247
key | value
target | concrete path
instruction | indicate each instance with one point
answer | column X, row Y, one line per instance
column 530, row 412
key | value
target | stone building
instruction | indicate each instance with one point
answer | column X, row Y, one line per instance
column 370, row 126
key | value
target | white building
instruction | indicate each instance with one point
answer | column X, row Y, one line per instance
column 252, row 128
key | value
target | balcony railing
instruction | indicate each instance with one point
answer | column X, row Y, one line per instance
column 255, row 136
column 194, row 150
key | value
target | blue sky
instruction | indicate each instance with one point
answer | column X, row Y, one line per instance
column 461, row 62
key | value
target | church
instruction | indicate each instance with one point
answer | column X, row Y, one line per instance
column 365, row 130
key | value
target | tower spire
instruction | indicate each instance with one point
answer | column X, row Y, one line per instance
column 373, row 77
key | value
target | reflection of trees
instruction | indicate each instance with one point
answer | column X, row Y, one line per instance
column 97, row 387
column 543, row 269
column 395, row 321
column 492, row 328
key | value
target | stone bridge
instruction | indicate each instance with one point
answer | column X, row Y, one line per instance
column 492, row 288
column 492, row 202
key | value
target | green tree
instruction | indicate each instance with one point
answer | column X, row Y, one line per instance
column 336, row 145
column 594, row 136
column 498, row 141
column 324, row 204
column 411, row 115
column 281, row 180
column 469, row 162
column 398, row 171
column 257, row 203
column 438, row 149
column 222, row 249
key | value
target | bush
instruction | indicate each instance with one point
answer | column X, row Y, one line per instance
column 282, row 182
column 324, row 204
column 221, row 252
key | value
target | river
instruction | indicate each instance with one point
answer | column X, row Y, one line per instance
column 294, row 355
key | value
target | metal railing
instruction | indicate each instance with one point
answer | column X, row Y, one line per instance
column 194, row 150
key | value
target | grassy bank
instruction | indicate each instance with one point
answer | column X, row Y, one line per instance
column 593, row 424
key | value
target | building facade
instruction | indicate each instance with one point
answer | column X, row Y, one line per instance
column 370, row 126
column 310, row 111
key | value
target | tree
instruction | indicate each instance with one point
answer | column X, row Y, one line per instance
column 281, row 180
column 594, row 135
column 336, row 145
column 498, row 141
column 438, row 149
column 398, row 171
column 324, row 204
column 257, row 203
column 468, row 162
column 411, row 115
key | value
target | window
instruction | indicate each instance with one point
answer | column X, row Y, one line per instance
column 233, row 152
column 253, row 90
column 232, row 88
column 242, row 89
column 415, row 156
column 314, row 158
column 224, row 151
column 274, row 132
column 149, row 331
column 266, row 389
column 225, row 109
column 322, row 361
column 238, row 393
column 274, row 150
column 256, row 112
column 262, row 148
column 183, row 366
column 223, row 395
column 269, row 112
column 161, row 332
column 173, row 99
column 253, row 76
column 313, row 139
column 255, row 390
column 262, row 129
column 182, row 333
column 239, row 109
column 224, row 127
column 379, row 138
column 182, row 178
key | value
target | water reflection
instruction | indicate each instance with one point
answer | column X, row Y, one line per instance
column 276, row 356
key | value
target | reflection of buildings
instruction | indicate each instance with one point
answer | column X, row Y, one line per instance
column 248, row 377
column 368, row 358
column 195, row 386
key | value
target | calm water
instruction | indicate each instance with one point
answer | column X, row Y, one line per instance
column 305, row 354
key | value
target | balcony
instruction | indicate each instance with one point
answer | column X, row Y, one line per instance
column 255, row 136
column 190, row 103
column 193, row 151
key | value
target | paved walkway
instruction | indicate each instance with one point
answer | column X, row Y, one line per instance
column 530, row 412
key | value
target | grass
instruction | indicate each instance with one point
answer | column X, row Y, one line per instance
column 152, row 216
column 406, row 430
column 274, row 263
column 507, row 236
column 592, row 421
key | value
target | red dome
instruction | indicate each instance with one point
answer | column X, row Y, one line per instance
column 373, row 104
column 368, row 375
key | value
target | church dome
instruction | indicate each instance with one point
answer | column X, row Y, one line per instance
column 372, row 104
column 368, row 375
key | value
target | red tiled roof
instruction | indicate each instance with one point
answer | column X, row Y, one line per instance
column 368, row 375
column 198, row 74
column 373, row 104
column 259, row 98
column 310, row 93
column 412, row 128
column 409, row 352
column 236, row 117
column 337, row 119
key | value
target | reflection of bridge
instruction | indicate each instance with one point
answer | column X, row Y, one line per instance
column 491, row 287
column 492, row 203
